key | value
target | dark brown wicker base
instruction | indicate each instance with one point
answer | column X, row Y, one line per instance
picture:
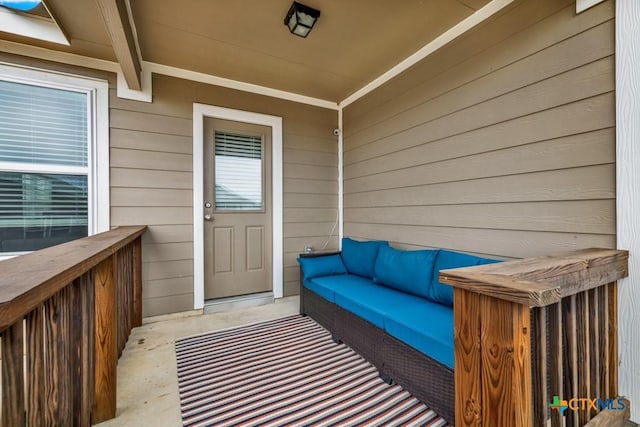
column 427, row 379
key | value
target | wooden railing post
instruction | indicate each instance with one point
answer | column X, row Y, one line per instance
column 536, row 339
column 12, row 373
column 137, row 282
column 106, row 354
column 492, row 362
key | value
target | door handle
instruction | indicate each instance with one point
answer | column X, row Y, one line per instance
column 208, row 217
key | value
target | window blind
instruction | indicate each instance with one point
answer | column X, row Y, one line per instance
column 42, row 125
column 38, row 210
column 238, row 172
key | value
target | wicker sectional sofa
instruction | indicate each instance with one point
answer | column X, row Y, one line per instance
column 389, row 306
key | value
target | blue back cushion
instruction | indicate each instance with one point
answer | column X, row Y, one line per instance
column 329, row 265
column 406, row 271
column 441, row 293
column 360, row 257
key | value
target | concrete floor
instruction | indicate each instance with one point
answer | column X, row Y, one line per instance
column 147, row 376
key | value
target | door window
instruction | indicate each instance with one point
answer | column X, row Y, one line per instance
column 238, row 172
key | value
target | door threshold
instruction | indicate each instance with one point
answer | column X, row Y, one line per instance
column 237, row 302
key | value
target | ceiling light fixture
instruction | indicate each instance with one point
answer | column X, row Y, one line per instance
column 301, row 19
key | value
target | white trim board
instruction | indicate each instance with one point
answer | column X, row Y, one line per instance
column 340, row 179
column 200, row 111
column 32, row 26
column 582, row 5
column 627, row 192
column 452, row 33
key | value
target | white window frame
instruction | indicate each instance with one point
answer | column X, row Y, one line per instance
column 97, row 169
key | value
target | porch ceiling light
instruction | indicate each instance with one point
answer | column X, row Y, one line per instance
column 301, row 19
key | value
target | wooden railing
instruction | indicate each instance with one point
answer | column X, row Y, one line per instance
column 65, row 315
column 529, row 330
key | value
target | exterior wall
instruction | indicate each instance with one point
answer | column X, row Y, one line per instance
column 502, row 143
column 151, row 177
column 152, row 182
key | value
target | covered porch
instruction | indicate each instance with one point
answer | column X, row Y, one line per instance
column 203, row 150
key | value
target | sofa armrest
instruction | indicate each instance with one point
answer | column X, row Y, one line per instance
column 318, row 254
column 311, row 255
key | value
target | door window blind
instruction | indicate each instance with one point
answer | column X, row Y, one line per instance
column 238, row 172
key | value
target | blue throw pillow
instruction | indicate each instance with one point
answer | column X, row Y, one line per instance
column 329, row 265
column 441, row 293
column 360, row 257
column 406, row 271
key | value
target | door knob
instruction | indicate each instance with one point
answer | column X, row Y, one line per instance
column 208, row 217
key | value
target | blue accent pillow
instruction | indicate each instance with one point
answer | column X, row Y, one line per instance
column 360, row 257
column 441, row 293
column 329, row 265
column 406, row 271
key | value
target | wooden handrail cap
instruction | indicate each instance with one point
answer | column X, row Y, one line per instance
column 541, row 281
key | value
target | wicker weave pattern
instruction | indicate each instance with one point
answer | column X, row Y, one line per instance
column 319, row 309
column 360, row 335
column 427, row 379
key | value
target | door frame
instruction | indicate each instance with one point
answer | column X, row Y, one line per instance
column 200, row 111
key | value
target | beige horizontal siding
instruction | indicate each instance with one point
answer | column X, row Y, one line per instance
column 501, row 144
column 151, row 176
column 151, row 163
column 527, row 29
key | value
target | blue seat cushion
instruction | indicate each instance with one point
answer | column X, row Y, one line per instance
column 370, row 301
column 360, row 257
column 326, row 286
column 440, row 292
column 329, row 265
column 425, row 326
column 406, row 271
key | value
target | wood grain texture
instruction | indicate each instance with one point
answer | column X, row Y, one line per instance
column 76, row 352
column 137, row 283
column 87, row 344
column 13, row 404
column 542, row 281
column 506, row 363
column 570, row 356
column 583, row 339
column 595, row 341
column 105, row 342
column 35, row 367
column 556, row 367
column 612, row 297
column 540, row 366
column 30, row 279
column 468, row 372
column 57, row 373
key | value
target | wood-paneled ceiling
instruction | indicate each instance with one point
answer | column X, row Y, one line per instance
column 353, row 42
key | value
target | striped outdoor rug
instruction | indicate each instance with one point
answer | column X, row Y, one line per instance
column 287, row 372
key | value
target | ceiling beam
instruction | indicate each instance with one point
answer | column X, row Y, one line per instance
column 116, row 20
